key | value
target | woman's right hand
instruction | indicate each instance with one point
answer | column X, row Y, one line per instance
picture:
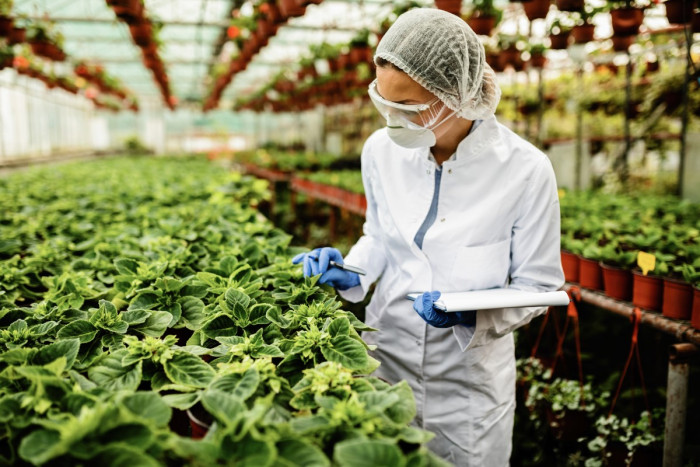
column 318, row 262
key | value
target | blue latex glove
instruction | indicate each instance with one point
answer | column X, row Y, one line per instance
column 317, row 262
column 440, row 319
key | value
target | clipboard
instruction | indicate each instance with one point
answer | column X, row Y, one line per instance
column 495, row 298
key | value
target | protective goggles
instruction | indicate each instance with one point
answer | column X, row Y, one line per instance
column 425, row 115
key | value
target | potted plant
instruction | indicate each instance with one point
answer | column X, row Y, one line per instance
column 46, row 41
column 510, row 53
column 483, row 17
column 584, row 30
column 691, row 273
column 571, row 248
column 18, row 34
column 360, row 51
column 626, row 16
column 559, row 31
column 617, row 260
column 6, row 19
column 621, row 441
column 536, row 9
column 450, row 6
column 568, row 406
column 679, row 11
column 537, row 58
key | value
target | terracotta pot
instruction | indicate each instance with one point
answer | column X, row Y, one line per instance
column 482, row 25
column 536, row 9
column 617, row 282
column 622, row 43
column 559, row 41
column 569, row 5
column 17, row 36
column 5, row 25
column 510, row 56
column 647, row 291
column 678, row 299
column 695, row 319
column 679, row 11
column 626, row 21
column 589, row 273
column 538, row 60
column 198, row 423
column 583, row 33
column 450, row 6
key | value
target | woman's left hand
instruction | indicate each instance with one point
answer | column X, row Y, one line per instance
column 438, row 318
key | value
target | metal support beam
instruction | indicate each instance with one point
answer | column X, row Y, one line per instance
column 676, row 400
column 680, row 330
column 211, row 24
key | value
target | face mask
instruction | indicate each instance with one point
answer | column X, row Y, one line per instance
column 410, row 136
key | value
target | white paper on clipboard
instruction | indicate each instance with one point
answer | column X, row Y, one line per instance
column 496, row 298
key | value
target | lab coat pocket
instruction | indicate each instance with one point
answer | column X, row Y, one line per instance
column 481, row 267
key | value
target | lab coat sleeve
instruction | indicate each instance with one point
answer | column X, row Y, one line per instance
column 369, row 252
column 535, row 260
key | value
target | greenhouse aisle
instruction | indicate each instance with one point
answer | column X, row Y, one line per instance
column 175, row 176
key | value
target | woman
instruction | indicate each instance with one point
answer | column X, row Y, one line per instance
column 455, row 202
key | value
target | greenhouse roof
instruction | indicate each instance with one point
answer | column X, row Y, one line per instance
column 192, row 34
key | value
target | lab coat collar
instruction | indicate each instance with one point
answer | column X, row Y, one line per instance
column 474, row 144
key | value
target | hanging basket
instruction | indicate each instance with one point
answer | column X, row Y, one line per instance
column 617, row 282
column 647, row 291
column 679, row 11
column 590, row 275
column 5, row 26
column 536, row 9
column 583, row 33
column 622, row 43
column 570, row 5
column 450, row 6
column 538, row 60
column 559, row 41
column 626, row 21
column 482, row 25
column 677, row 299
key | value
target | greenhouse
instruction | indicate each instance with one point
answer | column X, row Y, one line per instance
column 350, row 232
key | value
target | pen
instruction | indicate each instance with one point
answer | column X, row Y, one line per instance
column 437, row 304
column 347, row 267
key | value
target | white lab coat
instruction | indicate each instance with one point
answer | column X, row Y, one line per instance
column 497, row 224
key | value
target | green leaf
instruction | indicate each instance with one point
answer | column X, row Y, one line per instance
column 339, row 327
column 404, row 410
column 224, row 407
column 124, row 455
column 275, row 315
column 221, row 325
column 258, row 313
column 131, row 434
column 240, row 386
column 110, row 374
column 41, row 446
column 80, row 329
column 181, row 401
column 156, row 324
column 189, row 370
column 18, row 356
column 42, row 328
column 265, row 350
column 300, row 453
column 144, row 301
column 237, row 303
column 361, row 453
column 67, row 348
column 148, row 405
column 192, row 312
column 135, row 316
column 346, row 351
column 310, row 424
column 126, row 266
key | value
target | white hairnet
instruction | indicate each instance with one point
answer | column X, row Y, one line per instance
column 441, row 53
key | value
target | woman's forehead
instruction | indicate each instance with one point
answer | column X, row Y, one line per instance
column 396, row 86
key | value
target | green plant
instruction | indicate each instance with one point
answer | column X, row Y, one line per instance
column 487, row 8
column 631, row 435
column 361, row 39
column 40, row 30
column 561, row 23
column 586, row 14
column 325, row 50
column 134, row 145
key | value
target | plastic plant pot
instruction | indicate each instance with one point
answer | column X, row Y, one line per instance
column 695, row 319
column 589, row 274
column 677, row 299
column 647, row 291
column 617, row 282
column 570, row 264
column 199, row 422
